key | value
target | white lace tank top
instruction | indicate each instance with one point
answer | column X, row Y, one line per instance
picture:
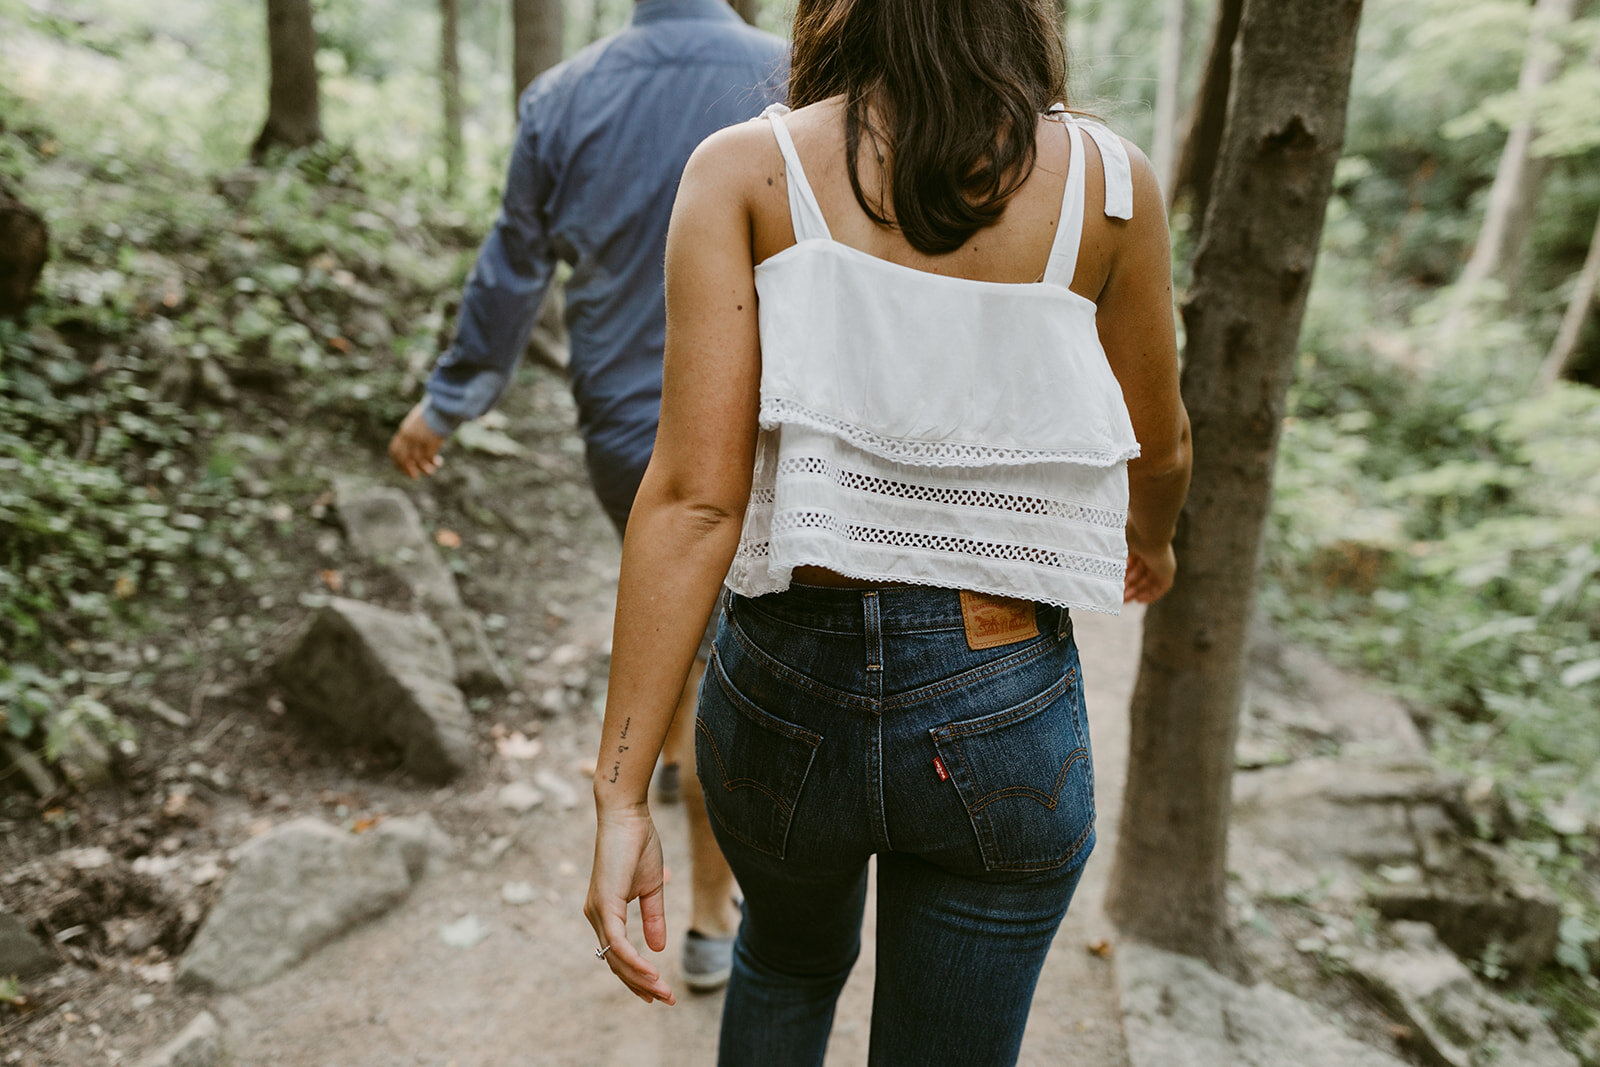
column 942, row 431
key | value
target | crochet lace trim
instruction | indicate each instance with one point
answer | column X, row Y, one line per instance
column 776, row 411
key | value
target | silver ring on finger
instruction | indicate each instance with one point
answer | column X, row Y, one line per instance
column 600, row 953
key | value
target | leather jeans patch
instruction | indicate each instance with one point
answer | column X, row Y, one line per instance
column 993, row 621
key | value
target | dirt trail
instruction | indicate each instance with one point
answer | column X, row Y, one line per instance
column 531, row 993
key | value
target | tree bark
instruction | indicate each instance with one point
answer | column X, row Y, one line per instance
column 1202, row 143
column 1284, row 130
column 450, row 88
column 24, row 247
column 537, row 27
column 294, row 105
column 1163, row 154
column 749, row 10
column 1515, row 193
column 1563, row 354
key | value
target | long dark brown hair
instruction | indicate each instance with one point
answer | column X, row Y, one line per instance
column 958, row 84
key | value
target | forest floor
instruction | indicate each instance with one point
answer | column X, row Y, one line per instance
column 394, row 991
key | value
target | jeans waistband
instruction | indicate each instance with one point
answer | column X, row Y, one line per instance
column 886, row 609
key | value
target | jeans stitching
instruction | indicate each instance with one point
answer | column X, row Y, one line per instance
column 731, row 784
column 795, row 678
column 973, row 675
column 762, row 716
column 1005, row 718
column 1054, row 798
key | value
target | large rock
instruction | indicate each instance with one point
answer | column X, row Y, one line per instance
column 1177, row 1012
column 20, row 954
column 198, row 1045
column 375, row 676
column 1476, row 896
column 1454, row 1020
column 383, row 526
column 1355, row 811
column 420, row 840
column 295, row 888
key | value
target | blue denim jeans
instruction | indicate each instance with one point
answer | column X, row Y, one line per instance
column 835, row 725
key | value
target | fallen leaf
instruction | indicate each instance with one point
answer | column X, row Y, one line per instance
column 340, row 344
column 125, row 587
column 332, row 579
column 361, row 826
column 516, row 746
column 1100, row 948
column 447, row 539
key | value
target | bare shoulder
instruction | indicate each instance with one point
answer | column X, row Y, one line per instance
column 732, row 162
column 1149, row 202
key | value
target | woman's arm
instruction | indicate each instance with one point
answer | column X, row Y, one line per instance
column 682, row 532
column 1139, row 336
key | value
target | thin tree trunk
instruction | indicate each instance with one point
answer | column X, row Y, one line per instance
column 1515, row 193
column 450, row 86
column 24, row 247
column 537, row 27
column 748, row 10
column 1174, row 30
column 1563, row 354
column 1202, row 143
column 294, row 105
column 1285, row 126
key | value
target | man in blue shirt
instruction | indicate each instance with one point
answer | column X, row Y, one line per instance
column 602, row 140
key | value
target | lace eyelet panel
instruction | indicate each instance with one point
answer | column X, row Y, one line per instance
column 1109, row 570
column 946, row 496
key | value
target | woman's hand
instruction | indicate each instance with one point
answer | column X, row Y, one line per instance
column 627, row 867
column 415, row 448
column 1149, row 575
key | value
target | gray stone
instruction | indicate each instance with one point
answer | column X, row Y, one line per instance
column 1325, row 809
column 1454, row 1020
column 1475, row 896
column 519, row 797
column 419, row 839
column 377, row 676
column 1177, row 1012
column 20, row 954
column 295, row 888
column 198, row 1045
column 383, row 526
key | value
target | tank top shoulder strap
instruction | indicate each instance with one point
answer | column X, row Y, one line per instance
column 1118, row 199
column 804, row 210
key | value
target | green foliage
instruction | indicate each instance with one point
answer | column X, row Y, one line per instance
column 1444, row 532
column 188, row 307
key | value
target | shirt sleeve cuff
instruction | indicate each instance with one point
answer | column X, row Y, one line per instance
column 437, row 421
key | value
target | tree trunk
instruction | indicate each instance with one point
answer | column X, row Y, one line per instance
column 537, row 27
column 24, row 247
column 1285, row 126
column 1202, row 143
column 450, row 87
column 1515, row 193
column 1563, row 354
column 294, row 107
column 748, row 10
column 1163, row 154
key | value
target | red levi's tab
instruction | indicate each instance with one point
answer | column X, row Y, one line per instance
column 938, row 765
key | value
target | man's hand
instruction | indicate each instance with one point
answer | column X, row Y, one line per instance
column 415, row 448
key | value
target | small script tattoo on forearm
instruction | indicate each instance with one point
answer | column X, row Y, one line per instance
column 616, row 768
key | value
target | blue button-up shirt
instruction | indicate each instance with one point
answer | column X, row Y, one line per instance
column 602, row 141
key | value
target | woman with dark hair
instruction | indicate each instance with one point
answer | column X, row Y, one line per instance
column 921, row 401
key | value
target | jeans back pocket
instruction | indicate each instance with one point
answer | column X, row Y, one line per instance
column 752, row 764
column 1025, row 776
